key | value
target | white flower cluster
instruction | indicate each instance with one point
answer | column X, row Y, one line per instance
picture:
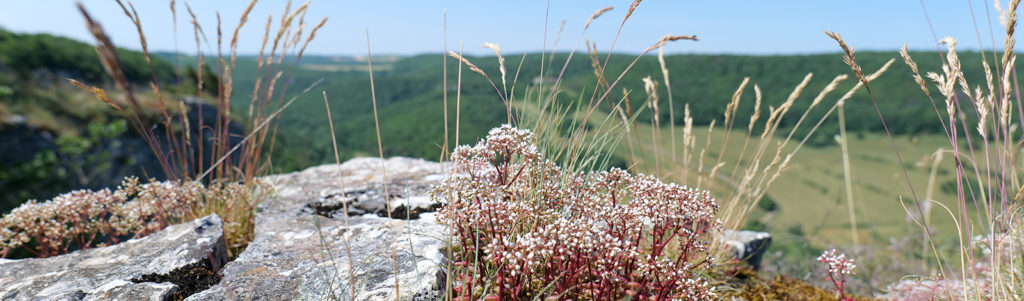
column 607, row 234
column 837, row 262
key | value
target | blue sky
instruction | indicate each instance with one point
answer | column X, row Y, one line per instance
column 414, row 27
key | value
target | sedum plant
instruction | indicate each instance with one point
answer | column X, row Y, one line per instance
column 83, row 219
column 523, row 228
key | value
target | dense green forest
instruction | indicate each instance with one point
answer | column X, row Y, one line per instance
column 22, row 54
column 33, row 69
column 409, row 93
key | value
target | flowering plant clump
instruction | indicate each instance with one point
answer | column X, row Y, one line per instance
column 82, row 219
column 524, row 228
column 838, row 266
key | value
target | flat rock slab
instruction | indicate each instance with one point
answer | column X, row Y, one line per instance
column 299, row 251
column 149, row 268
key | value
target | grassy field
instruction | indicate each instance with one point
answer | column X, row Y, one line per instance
column 810, row 194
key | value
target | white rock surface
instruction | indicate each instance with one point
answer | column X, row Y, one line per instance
column 299, row 252
column 148, row 268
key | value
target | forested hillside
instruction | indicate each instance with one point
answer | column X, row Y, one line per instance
column 409, row 92
column 55, row 137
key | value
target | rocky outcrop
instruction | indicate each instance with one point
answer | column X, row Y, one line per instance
column 748, row 246
column 299, row 251
column 327, row 232
column 173, row 263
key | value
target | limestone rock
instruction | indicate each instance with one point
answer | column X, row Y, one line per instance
column 169, row 263
column 299, row 250
column 748, row 246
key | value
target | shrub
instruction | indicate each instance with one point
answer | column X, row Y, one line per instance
column 523, row 227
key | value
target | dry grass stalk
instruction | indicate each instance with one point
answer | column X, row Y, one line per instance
column 670, row 38
column 750, row 126
column 821, row 96
column 689, row 141
column 259, row 65
column 700, row 159
column 1004, row 103
column 501, row 61
column 984, row 104
column 597, row 14
column 501, row 68
column 753, row 182
column 469, row 64
column 228, row 80
column 108, row 59
column 734, row 103
column 913, row 68
column 847, row 175
column 730, row 111
column 1009, row 22
column 828, row 89
column 97, row 92
column 344, row 205
column 871, row 77
column 622, row 113
column 383, row 167
column 671, row 105
column 629, row 12
column 628, row 123
column 953, row 60
column 592, row 105
column 595, row 64
column 476, row 69
column 515, row 79
column 558, row 79
column 946, row 83
column 290, row 43
column 757, row 110
column 850, row 57
column 651, row 88
column 197, row 32
column 775, row 114
column 458, row 94
column 133, row 15
column 445, row 153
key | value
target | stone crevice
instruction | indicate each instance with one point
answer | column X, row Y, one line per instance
column 189, row 279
